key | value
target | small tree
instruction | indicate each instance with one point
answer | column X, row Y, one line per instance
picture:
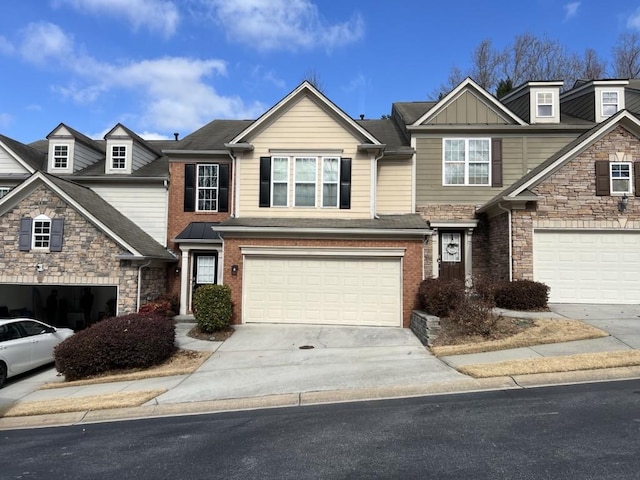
column 212, row 307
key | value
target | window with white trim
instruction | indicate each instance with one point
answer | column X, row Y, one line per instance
column 41, row 237
column 305, row 182
column 118, row 157
column 330, row 181
column 4, row 191
column 467, row 161
column 544, row 104
column 207, row 186
column 609, row 103
column 60, row 156
column 620, row 177
column 280, row 181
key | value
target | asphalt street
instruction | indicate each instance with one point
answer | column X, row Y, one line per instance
column 586, row 431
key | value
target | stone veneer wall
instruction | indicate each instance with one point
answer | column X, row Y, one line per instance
column 88, row 257
column 154, row 282
column 569, row 200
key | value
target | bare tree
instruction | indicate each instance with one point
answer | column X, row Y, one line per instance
column 313, row 77
column 592, row 66
column 453, row 80
column 485, row 63
column 626, row 56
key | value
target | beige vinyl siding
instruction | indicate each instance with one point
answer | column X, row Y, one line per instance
column 519, row 156
column 394, row 186
column 145, row 205
column 305, row 129
column 467, row 109
column 8, row 164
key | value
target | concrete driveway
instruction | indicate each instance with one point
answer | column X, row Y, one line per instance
column 262, row 360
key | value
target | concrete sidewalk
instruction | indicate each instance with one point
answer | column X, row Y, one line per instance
column 264, row 366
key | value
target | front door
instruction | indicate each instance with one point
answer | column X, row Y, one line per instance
column 451, row 256
column 205, row 270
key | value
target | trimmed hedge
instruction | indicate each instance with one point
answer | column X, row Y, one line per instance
column 128, row 342
column 522, row 295
column 212, row 307
column 439, row 297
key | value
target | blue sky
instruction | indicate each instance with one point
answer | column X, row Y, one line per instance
column 164, row 66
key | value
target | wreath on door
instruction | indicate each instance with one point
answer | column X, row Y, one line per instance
column 452, row 248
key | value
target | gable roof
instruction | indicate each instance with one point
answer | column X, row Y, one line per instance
column 97, row 211
column 304, row 89
column 135, row 137
column 80, row 138
column 30, row 158
column 212, row 136
column 537, row 175
column 469, row 85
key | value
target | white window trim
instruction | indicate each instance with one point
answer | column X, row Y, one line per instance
column 288, row 180
column 602, row 103
column 629, row 178
column 466, row 163
column 198, row 188
column 53, row 164
column 315, row 181
column 4, row 191
column 337, row 182
column 539, row 104
column 112, row 157
column 40, row 218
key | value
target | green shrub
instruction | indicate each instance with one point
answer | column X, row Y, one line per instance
column 439, row 297
column 128, row 342
column 522, row 295
column 474, row 317
column 212, row 307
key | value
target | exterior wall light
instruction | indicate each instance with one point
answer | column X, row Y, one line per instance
column 234, row 270
column 622, row 204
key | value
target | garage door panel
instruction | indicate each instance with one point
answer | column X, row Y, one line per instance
column 588, row 266
column 322, row 290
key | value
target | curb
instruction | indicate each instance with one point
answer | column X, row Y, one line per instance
column 470, row 385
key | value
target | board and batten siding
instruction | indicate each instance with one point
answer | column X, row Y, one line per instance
column 145, row 205
column 394, row 188
column 467, row 109
column 10, row 165
column 519, row 156
column 305, row 129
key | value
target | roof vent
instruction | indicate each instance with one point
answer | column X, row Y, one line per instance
column 362, row 116
column 176, row 135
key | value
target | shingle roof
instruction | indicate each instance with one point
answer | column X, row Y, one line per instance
column 412, row 111
column 212, row 136
column 387, row 132
column 115, row 221
column 82, row 138
column 35, row 158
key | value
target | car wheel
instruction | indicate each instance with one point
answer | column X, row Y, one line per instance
column 3, row 373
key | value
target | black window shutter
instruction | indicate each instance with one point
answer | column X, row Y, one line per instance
column 24, row 236
column 265, row 182
column 602, row 178
column 189, row 187
column 636, row 178
column 223, row 188
column 57, row 230
column 496, row 162
column 345, row 183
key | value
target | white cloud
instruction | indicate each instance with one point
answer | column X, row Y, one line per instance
column 44, row 41
column 571, row 10
column 634, row 20
column 283, row 24
column 154, row 136
column 155, row 15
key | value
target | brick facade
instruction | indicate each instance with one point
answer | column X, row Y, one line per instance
column 412, row 265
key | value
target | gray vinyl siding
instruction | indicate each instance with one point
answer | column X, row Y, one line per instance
column 583, row 106
column 84, row 156
column 141, row 156
column 468, row 109
column 519, row 155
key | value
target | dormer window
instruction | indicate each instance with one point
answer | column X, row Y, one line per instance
column 60, row 156
column 609, row 103
column 544, row 104
column 118, row 157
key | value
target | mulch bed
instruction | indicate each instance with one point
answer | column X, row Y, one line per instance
column 450, row 334
column 217, row 336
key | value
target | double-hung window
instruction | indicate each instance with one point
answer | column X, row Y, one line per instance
column 609, row 103
column 467, row 161
column 330, row 181
column 207, row 188
column 41, row 231
column 60, row 156
column 305, row 182
column 4, row 191
column 544, row 104
column 280, row 182
column 620, row 177
column 118, row 157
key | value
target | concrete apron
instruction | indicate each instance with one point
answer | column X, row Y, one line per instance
column 259, row 360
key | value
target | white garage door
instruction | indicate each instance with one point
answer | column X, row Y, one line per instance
column 588, row 266
column 322, row 290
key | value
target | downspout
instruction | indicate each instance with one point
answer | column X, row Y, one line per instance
column 510, row 241
column 140, row 284
column 233, row 184
column 375, row 184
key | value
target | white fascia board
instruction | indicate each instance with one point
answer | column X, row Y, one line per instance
column 454, row 224
column 324, row 231
column 323, row 251
column 17, row 158
column 603, row 130
column 468, row 82
column 195, row 152
column 591, row 85
column 317, row 94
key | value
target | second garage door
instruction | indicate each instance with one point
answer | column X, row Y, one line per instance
column 588, row 266
column 323, row 290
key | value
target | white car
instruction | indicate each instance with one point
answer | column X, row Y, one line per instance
column 26, row 344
